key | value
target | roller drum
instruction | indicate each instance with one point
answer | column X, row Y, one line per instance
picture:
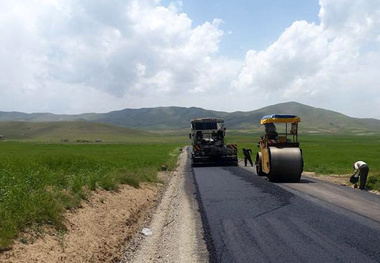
column 259, row 167
column 286, row 164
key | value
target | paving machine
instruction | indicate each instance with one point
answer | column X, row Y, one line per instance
column 280, row 158
column 208, row 145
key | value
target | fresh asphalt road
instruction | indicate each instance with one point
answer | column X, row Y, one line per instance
column 248, row 219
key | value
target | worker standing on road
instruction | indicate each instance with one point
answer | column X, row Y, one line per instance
column 247, row 156
column 361, row 170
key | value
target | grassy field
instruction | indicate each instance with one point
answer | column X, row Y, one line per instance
column 55, row 132
column 39, row 181
column 331, row 154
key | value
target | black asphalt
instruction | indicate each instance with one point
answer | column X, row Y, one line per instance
column 248, row 219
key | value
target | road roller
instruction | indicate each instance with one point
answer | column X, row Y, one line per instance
column 280, row 157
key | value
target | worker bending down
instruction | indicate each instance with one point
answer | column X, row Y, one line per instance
column 247, row 156
column 361, row 170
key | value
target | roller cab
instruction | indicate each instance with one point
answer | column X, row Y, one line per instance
column 279, row 157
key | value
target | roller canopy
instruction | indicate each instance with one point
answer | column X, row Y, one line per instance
column 280, row 118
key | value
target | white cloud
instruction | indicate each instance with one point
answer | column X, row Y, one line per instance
column 81, row 56
column 127, row 48
column 329, row 65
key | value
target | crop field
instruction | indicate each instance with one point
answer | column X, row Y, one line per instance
column 331, row 154
column 39, row 181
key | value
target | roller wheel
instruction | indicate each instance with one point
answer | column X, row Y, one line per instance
column 286, row 164
column 259, row 167
column 273, row 177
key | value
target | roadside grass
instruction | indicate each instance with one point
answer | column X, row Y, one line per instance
column 39, row 181
column 336, row 154
column 330, row 154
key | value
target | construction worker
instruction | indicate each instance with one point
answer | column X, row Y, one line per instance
column 247, row 156
column 361, row 170
column 270, row 130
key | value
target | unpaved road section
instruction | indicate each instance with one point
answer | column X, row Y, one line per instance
column 177, row 234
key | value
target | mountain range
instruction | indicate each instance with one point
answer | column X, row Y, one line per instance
column 313, row 120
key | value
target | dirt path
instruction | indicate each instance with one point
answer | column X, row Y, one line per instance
column 176, row 225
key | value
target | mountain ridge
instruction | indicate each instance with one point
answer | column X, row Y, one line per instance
column 178, row 118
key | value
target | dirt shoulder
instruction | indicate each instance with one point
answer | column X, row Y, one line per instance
column 107, row 228
column 96, row 232
column 176, row 227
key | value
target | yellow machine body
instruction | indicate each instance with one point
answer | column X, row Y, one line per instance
column 279, row 157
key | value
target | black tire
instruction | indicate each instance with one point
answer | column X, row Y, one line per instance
column 259, row 167
column 295, row 180
column 272, row 177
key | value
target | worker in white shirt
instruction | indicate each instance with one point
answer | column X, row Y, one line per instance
column 361, row 170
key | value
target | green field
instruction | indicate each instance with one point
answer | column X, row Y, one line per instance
column 39, row 181
column 55, row 132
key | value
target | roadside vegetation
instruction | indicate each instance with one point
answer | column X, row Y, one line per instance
column 39, row 181
column 330, row 154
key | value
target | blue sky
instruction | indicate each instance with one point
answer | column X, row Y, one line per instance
column 69, row 56
column 250, row 24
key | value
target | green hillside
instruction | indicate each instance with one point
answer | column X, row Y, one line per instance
column 177, row 119
column 162, row 118
column 325, row 121
column 313, row 120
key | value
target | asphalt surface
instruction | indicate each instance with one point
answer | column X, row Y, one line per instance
column 248, row 219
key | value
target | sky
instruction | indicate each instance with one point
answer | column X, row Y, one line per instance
column 72, row 57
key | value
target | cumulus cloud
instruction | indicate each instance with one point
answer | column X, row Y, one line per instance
column 125, row 49
column 332, row 64
column 80, row 56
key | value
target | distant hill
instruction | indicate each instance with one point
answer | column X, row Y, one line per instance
column 313, row 120
column 161, row 118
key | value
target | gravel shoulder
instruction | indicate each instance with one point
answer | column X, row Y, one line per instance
column 176, row 227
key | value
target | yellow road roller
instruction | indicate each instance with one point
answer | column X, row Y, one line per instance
column 280, row 157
